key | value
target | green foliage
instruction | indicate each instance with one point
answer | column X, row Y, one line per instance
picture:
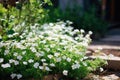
column 53, row 48
column 22, row 15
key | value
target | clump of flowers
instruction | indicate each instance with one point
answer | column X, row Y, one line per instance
column 54, row 48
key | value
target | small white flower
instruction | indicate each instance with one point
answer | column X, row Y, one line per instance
column 58, row 59
column 13, row 75
column 25, row 63
column 1, row 60
column 19, row 57
column 64, row 57
column 43, row 60
column 11, row 61
column 65, row 72
column 15, row 54
column 82, row 31
column 41, row 67
column 6, row 52
column 47, row 49
column 101, row 69
column 52, row 65
column 47, row 68
column 36, row 65
column 50, row 56
column 76, row 30
column 23, row 52
column 33, row 49
column 85, row 57
column 85, row 64
column 6, row 65
column 51, row 24
column 10, row 36
column 52, row 45
column 90, row 32
column 38, row 54
column 16, row 62
column 19, row 76
column 56, row 54
column 75, row 66
column 68, row 59
column 30, row 60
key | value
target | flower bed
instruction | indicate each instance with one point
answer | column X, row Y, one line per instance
column 53, row 48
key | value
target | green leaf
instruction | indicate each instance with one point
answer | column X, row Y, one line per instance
column 48, row 2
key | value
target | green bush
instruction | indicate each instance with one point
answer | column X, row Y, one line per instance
column 53, row 48
column 22, row 15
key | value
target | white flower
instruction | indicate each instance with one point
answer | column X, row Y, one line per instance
column 68, row 59
column 13, row 75
column 10, row 36
column 1, row 60
column 101, row 69
column 47, row 68
column 43, row 60
column 50, row 56
column 25, row 63
column 30, row 60
column 19, row 57
column 58, row 59
column 16, row 62
column 65, row 72
column 47, row 49
column 41, row 67
column 69, row 22
column 52, row 65
column 11, row 61
column 23, row 52
column 51, row 24
column 15, row 54
column 20, row 46
column 64, row 57
column 36, row 65
column 85, row 64
column 52, row 45
column 6, row 52
column 76, row 30
column 75, row 66
column 90, row 32
column 6, row 65
column 19, row 76
column 56, row 54
column 39, row 54
column 85, row 57
column 33, row 49
column 82, row 31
